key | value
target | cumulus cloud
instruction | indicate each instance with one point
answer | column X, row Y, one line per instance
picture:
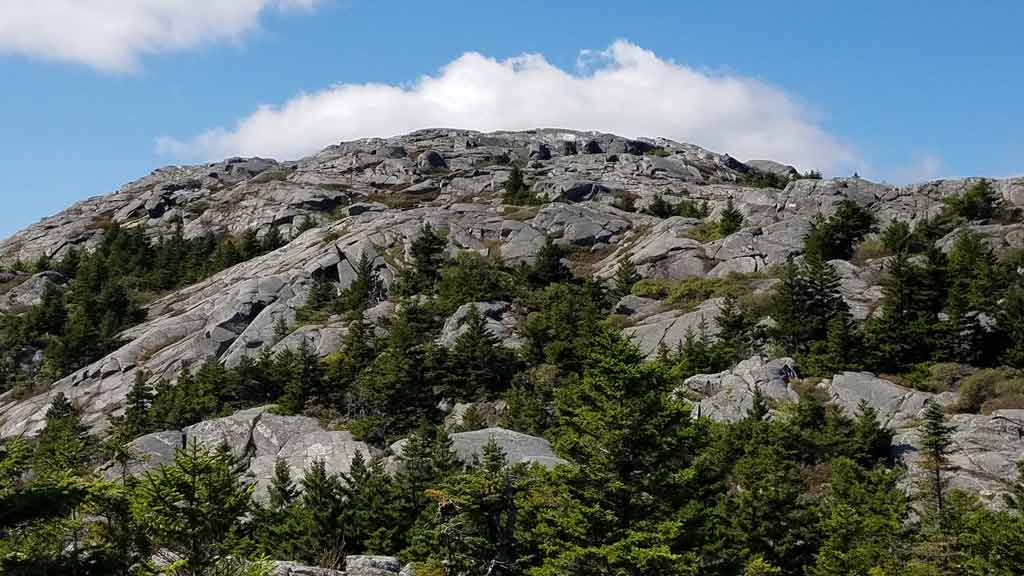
column 112, row 35
column 624, row 90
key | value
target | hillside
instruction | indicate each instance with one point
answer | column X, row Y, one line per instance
column 680, row 342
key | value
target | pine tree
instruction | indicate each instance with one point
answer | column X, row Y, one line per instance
column 730, row 220
column 282, row 490
column 936, row 445
column 734, row 328
column 426, row 254
column 192, row 509
column 321, row 504
column 548, row 267
column 479, row 367
column 625, row 277
column 366, row 290
column 137, row 409
column 759, row 409
column 872, row 442
column 517, row 192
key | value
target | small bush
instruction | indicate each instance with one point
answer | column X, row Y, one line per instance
column 990, row 387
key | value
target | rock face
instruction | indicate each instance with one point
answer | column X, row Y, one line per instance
column 372, row 566
column 674, row 327
column 986, row 449
column 370, row 197
column 500, row 321
column 258, row 437
column 30, row 292
column 897, row 407
column 282, row 568
column 728, row 395
column 518, row 447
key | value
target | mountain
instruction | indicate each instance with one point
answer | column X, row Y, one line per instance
column 702, row 232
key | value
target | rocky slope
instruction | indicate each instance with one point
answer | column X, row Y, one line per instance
column 371, row 197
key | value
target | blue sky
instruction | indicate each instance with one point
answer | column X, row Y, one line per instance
column 897, row 90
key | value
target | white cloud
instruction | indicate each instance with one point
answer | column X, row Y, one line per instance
column 923, row 167
column 624, row 90
column 112, row 35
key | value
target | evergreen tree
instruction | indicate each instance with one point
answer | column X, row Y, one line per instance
column 272, row 240
column 548, row 267
column 321, row 510
column 191, row 509
column 61, row 448
column 517, row 192
column 730, row 220
column 872, row 442
column 897, row 237
column 759, row 409
column 936, row 444
column 426, row 255
column 137, row 407
column 1011, row 321
column 282, row 490
column 479, row 367
column 835, row 237
column 625, row 277
column 1015, row 497
column 478, row 515
column 366, row 290
column 660, row 208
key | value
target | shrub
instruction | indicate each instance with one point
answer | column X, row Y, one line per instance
column 835, row 237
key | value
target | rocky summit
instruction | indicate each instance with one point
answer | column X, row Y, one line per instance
column 748, row 293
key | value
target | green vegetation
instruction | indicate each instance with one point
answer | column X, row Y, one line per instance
column 517, row 192
column 651, row 487
column 80, row 325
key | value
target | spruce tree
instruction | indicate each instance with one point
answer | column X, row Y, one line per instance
column 192, row 509
column 730, row 220
column 734, row 328
column 479, row 367
column 1015, row 497
column 759, row 409
column 625, row 277
column 282, row 490
column 517, row 192
column 426, row 254
column 936, row 445
column 321, row 509
column 366, row 290
column 872, row 442
column 548, row 267
column 62, row 446
column 137, row 409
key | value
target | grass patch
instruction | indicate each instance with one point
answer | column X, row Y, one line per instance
column 688, row 293
column 706, row 231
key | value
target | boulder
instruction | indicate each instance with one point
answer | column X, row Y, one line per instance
column 986, row 449
column 728, row 395
column 500, row 321
column 282, row 568
column 430, row 160
column 372, row 566
column 491, row 412
column 897, row 407
column 469, row 446
column 30, row 292
column 256, row 436
column 673, row 327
